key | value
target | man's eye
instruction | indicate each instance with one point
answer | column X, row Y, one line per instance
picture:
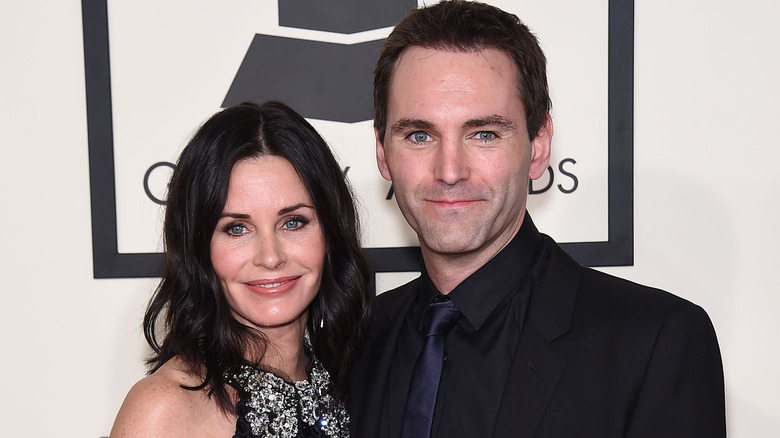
column 485, row 135
column 419, row 136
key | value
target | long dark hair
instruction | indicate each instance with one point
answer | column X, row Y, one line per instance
column 189, row 316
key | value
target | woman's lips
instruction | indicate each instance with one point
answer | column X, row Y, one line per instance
column 273, row 285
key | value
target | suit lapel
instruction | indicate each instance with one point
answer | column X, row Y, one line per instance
column 537, row 366
column 532, row 378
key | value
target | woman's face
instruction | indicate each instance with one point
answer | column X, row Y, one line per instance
column 268, row 247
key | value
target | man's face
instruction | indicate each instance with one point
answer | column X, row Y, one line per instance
column 457, row 149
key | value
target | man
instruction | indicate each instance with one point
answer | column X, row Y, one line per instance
column 539, row 346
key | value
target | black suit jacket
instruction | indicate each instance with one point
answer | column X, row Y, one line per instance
column 598, row 357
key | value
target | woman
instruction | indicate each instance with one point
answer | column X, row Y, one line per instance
column 264, row 285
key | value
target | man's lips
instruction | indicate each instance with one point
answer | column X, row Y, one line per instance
column 452, row 202
column 273, row 285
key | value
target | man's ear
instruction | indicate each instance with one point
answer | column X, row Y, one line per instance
column 381, row 162
column 540, row 149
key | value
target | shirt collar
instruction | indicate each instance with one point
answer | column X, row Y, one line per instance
column 479, row 294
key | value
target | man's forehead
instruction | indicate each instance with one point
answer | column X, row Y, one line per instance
column 430, row 77
column 417, row 53
column 415, row 59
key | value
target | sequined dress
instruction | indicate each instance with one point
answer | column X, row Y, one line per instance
column 271, row 407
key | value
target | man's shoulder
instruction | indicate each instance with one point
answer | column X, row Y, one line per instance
column 626, row 293
column 605, row 294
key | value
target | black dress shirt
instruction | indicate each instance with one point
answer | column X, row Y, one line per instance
column 479, row 349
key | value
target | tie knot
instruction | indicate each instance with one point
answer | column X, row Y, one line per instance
column 442, row 317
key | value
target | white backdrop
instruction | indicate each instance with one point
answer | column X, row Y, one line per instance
column 706, row 205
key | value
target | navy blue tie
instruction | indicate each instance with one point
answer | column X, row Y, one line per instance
column 418, row 416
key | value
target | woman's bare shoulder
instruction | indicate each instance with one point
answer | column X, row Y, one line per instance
column 158, row 406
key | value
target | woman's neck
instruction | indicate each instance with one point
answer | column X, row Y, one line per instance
column 284, row 352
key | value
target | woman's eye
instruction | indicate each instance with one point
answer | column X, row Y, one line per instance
column 294, row 223
column 419, row 136
column 236, row 230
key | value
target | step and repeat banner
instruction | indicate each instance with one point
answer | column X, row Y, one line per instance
column 98, row 98
column 155, row 70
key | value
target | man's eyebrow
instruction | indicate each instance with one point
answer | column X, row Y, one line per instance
column 404, row 124
column 493, row 120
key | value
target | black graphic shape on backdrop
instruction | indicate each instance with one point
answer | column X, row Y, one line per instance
column 148, row 175
column 320, row 80
column 344, row 16
column 108, row 262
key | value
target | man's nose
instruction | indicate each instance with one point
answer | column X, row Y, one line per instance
column 451, row 162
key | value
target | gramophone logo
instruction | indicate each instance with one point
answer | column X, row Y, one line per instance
column 321, row 80
column 333, row 82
